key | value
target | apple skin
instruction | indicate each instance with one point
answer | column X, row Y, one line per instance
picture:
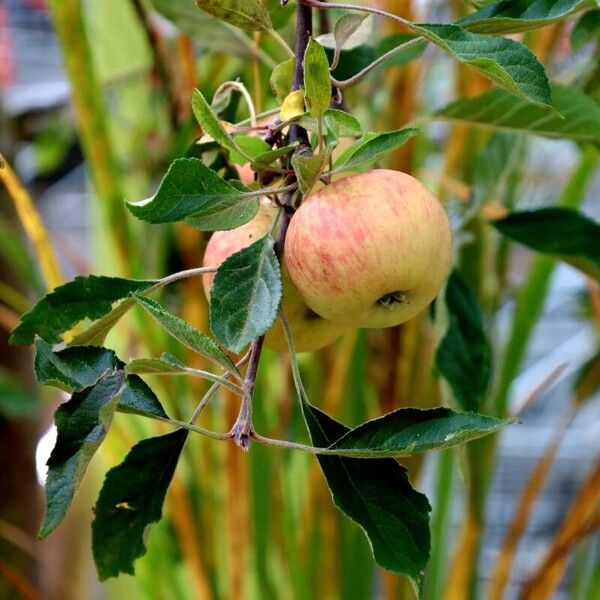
column 310, row 331
column 370, row 250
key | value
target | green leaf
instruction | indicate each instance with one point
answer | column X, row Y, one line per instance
column 560, row 232
column 338, row 122
column 491, row 166
column 511, row 16
column 193, row 191
column 207, row 31
column 317, row 82
column 74, row 368
column 16, row 402
column 90, row 297
column 378, row 496
column 403, row 57
column 409, row 431
column 307, row 169
column 262, row 161
column 165, row 365
column 96, row 333
column 251, row 145
column 81, row 425
column 249, row 15
column 344, row 27
column 138, row 398
column 464, row 355
column 499, row 110
column 281, row 79
column 245, row 295
column 510, row 64
column 209, row 121
column 130, row 500
column 372, row 149
column 586, row 30
column 187, row 334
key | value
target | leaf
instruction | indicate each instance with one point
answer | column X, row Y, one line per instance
column 209, row 121
column 96, row 333
column 130, row 500
column 91, row 296
column 403, row 57
column 317, row 82
column 193, row 191
column 307, row 169
column 499, row 110
column 187, row 334
column 344, row 27
column 587, row 381
column 81, row 425
column 509, row 16
column 245, row 295
column 139, row 399
column 164, row 365
column 207, row 31
column 378, row 496
column 586, row 30
column 281, row 79
column 262, row 161
column 249, row 15
column 560, row 232
column 16, row 402
column 292, row 106
column 251, row 145
column 409, row 431
column 464, row 355
column 510, row 64
column 374, row 148
column 74, row 368
column 338, row 122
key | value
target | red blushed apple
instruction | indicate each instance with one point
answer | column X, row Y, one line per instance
column 369, row 250
column 310, row 331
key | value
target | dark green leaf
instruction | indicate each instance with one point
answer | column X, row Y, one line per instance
column 586, row 30
column 307, row 169
column 281, row 79
column 317, row 82
column 403, row 57
column 491, row 165
column 193, row 191
column 565, row 234
column 81, row 425
column 16, row 402
column 587, row 381
column 497, row 109
column 90, row 297
column 510, row 64
column 138, row 398
column 510, row 16
column 130, row 500
column 249, row 15
column 187, row 334
column 464, row 357
column 372, row 149
column 74, row 368
column 378, row 496
column 245, row 295
column 409, row 431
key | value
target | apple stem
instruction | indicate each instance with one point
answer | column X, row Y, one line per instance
column 243, row 429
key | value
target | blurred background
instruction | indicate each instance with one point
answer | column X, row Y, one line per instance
column 94, row 105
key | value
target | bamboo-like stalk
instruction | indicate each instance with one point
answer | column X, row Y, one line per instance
column 90, row 113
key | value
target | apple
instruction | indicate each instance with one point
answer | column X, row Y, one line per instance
column 369, row 250
column 310, row 331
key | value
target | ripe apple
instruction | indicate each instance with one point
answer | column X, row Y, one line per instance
column 310, row 331
column 369, row 250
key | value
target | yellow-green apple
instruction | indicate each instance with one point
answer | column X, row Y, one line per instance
column 310, row 331
column 369, row 250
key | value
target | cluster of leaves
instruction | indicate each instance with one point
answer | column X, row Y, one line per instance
column 359, row 464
